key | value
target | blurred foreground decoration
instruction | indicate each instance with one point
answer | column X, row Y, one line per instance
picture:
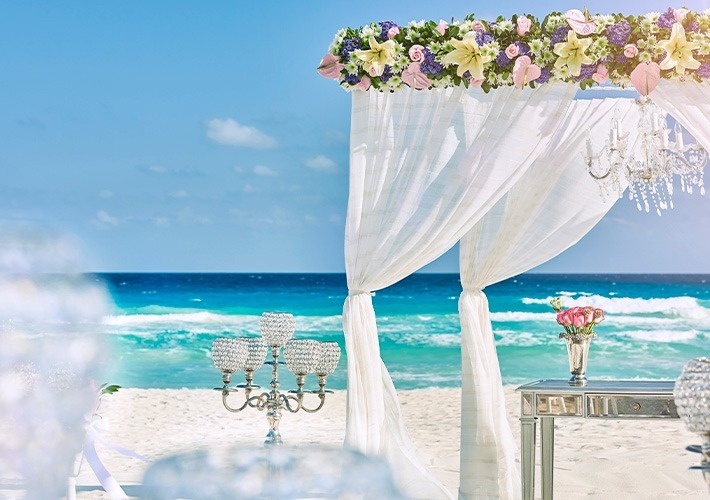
column 50, row 320
column 270, row 472
column 692, row 397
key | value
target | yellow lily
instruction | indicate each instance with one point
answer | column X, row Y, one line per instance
column 571, row 53
column 679, row 51
column 467, row 55
column 379, row 55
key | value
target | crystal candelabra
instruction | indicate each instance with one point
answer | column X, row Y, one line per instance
column 692, row 398
column 303, row 357
column 650, row 173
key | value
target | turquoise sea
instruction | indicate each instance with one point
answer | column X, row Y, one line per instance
column 162, row 326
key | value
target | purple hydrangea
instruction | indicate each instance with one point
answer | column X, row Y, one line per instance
column 586, row 72
column 502, row 59
column 429, row 65
column 621, row 58
column 560, row 35
column 349, row 44
column 386, row 73
column 352, row 79
column 483, row 38
column 386, row 26
column 667, row 19
column 545, row 75
column 704, row 70
column 523, row 49
column 693, row 26
column 618, row 33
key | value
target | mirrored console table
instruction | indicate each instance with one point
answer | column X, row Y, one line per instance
column 545, row 400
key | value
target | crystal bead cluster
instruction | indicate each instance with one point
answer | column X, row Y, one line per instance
column 301, row 356
column 328, row 359
column 229, row 355
column 692, row 395
column 277, row 328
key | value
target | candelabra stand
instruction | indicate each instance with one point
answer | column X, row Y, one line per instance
column 303, row 357
column 650, row 175
column 692, row 398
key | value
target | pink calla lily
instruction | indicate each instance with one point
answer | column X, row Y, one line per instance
column 646, row 77
column 525, row 72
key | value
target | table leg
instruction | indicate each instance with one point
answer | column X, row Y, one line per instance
column 547, row 453
column 527, row 456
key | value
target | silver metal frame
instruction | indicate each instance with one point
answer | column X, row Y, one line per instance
column 545, row 400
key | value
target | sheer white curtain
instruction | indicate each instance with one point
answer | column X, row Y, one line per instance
column 549, row 209
column 689, row 103
column 424, row 167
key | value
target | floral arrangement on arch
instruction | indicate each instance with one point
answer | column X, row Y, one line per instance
column 523, row 51
column 577, row 320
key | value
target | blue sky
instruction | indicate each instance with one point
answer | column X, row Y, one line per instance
column 197, row 136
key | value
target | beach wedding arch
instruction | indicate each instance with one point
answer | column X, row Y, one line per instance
column 471, row 133
column 522, row 50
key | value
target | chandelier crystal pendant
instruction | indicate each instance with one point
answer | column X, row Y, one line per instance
column 649, row 171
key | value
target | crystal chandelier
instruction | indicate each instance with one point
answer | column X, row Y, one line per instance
column 649, row 174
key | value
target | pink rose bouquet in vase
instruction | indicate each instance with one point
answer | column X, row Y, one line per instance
column 579, row 323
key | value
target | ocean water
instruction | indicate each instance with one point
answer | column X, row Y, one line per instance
column 162, row 326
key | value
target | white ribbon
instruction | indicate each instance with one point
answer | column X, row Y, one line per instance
column 107, row 481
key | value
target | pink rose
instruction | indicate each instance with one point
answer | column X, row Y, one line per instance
column 441, row 27
column 578, row 317
column 364, row 83
column 475, row 82
column 601, row 75
column 598, row 316
column 630, row 50
column 392, row 32
column 416, row 53
column 524, row 25
column 330, row 66
column 414, row 77
column 588, row 315
column 511, row 51
column 563, row 318
column 479, row 26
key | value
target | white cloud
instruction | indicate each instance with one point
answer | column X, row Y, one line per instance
column 237, row 169
column 160, row 221
column 233, row 133
column 322, row 163
column 180, row 193
column 103, row 219
column 158, row 169
column 265, row 171
column 105, row 194
column 248, row 188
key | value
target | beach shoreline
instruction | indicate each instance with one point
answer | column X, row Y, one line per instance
column 593, row 459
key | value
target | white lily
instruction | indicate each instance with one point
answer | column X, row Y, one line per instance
column 377, row 56
column 467, row 56
column 572, row 53
column 679, row 51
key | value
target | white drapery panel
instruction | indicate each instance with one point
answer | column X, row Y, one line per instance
column 549, row 209
column 689, row 103
column 424, row 167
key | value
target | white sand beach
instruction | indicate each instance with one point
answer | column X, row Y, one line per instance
column 593, row 459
